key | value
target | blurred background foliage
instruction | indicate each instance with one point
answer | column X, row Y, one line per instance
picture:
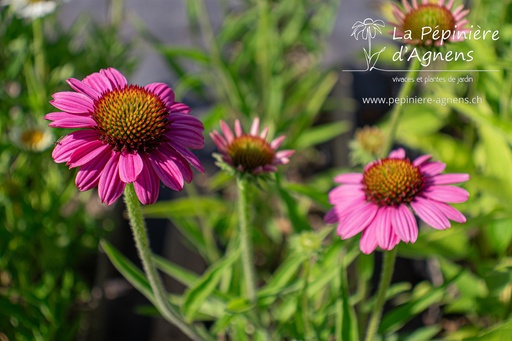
column 265, row 60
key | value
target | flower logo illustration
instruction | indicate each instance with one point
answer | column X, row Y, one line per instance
column 368, row 29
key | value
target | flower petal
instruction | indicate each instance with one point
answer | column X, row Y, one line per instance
column 166, row 168
column 147, row 185
column 83, row 88
column 67, row 145
column 432, row 168
column 73, row 102
column 357, row 220
column 447, row 179
column 368, row 242
column 404, row 223
column 384, row 230
column 430, row 214
column 349, row 178
column 163, row 91
column 179, row 108
column 397, row 154
column 63, row 120
column 98, row 82
column 255, row 127
column 116, row 78
column 187, row 154
column 228, row 134
column 130, row 166
column 451, row 194
column 89, row 174
column 86, row 152
column 110, row 186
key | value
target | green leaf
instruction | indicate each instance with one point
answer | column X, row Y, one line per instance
column 128, row 270
column 184, row 276
column 298, row 220
column 197, row 294
column 396, row 318
column 320, row 134
column 186, row 207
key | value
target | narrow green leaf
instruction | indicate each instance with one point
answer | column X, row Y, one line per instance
column 186, row 207
column 184, row 276
column 195, row 296
column 128, row 270
column 320, row 134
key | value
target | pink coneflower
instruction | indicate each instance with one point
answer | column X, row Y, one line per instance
column 377, row 202
column 250, row 153
column 130, row 134
column 414, row 20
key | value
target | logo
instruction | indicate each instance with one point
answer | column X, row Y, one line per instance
column 368, row 29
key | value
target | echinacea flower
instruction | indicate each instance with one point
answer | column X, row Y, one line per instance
column 367, row 29
column 32, row 138
column 378, row 202
column 31, row 9
column 129, row 134
column 430, row 23
column 250, row 153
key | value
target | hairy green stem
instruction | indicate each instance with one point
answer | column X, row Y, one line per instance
column 246, row 239
column 142, row 243
column 405, row 91
column 385, row 280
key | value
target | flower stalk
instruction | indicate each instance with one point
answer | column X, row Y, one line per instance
column 246, row 239
column 142, row 244
column 385, row 280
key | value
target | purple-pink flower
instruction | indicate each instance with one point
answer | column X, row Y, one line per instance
column 250, row 153
column 128, row 134
column 430, row 23
column 378, row 202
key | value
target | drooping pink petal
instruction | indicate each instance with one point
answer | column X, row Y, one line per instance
column 331, row 217
column 166, row 169
column 349, row 178
column 185, row 120
column 404, row 223
column 346, row 192
column 87, row 152
column 72, row 102
column 63, row 120
column 384, row 231
column 368, row 242
column 430, row 214
column 397, row 154
column 432, row 168
column 67, row 145
column 163, row 91
column 450, row 194
column 187, row 154
column 358, row 220
column 83, row 88
column 110, row 186
column 421, row 160
column 189, row 139
column 448, row 179
column 450, row 212
column 88, row 175
column 130, row 166
column 179, row 108
column 147, row 185
column 98, row 82
column 116, row 79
